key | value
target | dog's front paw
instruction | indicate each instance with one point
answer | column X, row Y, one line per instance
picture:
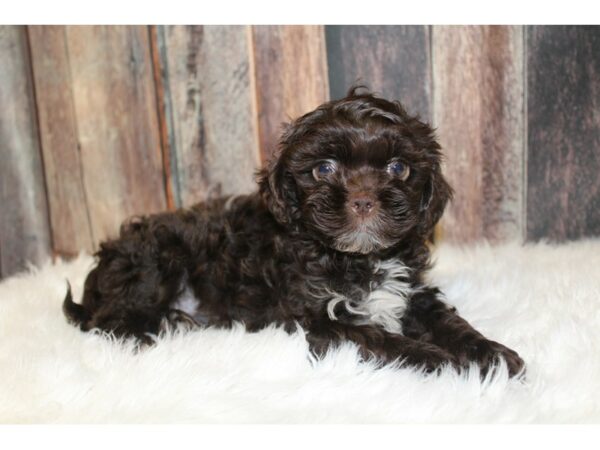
column 431, row 359
column 486, row 354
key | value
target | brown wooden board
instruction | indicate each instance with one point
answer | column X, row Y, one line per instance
column 391, row 60
column 478, row 111
column 163, row 111
column 24, row 228
column 291, row 77
column 563, row 112
column 114, row 105
column 69, row 214
column 209, row 109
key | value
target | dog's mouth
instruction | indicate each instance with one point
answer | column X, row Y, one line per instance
column 364, row 238
column 352, row 233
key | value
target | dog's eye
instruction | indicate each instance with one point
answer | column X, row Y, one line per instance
column 398, row 169
column 324, row 169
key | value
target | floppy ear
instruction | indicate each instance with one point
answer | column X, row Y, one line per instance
column 436, row 194
column 277, row 188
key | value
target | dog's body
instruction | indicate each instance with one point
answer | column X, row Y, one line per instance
column 334, row 241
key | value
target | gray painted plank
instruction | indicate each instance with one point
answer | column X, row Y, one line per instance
column 391, row 60
column 24, row 228
column 563, row 82
column 210, row 110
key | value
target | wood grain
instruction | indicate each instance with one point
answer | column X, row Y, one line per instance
column 69, row 213
column 478, row 111
column 113, row 94
column 563, row 109
column 210, row 110
column 391, row 60
column 291, row 77
column 162, row 109
column 24, row 228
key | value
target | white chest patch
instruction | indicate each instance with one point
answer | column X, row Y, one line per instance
column 386, row 301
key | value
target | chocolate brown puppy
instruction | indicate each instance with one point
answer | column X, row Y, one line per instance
column 334, row 240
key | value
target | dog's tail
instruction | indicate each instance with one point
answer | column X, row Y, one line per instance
column 74, row 312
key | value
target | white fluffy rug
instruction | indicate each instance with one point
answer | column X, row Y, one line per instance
column 541, row 300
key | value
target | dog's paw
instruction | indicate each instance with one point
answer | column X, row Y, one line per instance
column 486, row 354
column 177, row 319
column 432, row 359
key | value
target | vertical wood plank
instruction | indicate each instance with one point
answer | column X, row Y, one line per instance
column 478, row 112
column 114, row 100
column 69, row 213
column 391, row 60
column 163, row 111
column 210, row 110
column 24, row 228
column 291, row 77
column 563, row 111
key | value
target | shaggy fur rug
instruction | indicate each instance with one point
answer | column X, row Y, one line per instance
column 541, row 300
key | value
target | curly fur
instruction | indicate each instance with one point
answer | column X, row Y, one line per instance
column 298, row 252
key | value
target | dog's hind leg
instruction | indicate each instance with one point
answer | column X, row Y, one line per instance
column 176, row 318
column 126, row 295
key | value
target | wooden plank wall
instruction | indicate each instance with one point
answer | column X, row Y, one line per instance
column 209, row 110
column 393, row 61
column 100, row 123
column 291, row 77
column 563, row 134
column 99, row 130
column 478, row 110
column 24, row 231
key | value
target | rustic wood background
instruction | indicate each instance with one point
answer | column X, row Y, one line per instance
column 100, row 123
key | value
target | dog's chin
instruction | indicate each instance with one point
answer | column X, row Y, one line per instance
column 363, row 239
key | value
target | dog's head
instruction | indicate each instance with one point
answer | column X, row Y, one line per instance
column 359, row 174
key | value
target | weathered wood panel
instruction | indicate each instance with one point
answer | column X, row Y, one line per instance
column 291, row 77
column 563, row 109
column 478, row 112
column 114, row 100
column 163, row 111
column 69, row 214
column 210, row 110
column 24, row 228
column 391, row 60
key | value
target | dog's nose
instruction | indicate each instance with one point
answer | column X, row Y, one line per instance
column 363, row 205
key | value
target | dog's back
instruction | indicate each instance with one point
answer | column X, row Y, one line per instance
column 158, row 260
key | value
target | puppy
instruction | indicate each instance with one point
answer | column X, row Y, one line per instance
column 335, row 240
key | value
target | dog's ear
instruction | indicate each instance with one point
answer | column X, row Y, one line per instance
column 436, row 194
column 277, row 188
